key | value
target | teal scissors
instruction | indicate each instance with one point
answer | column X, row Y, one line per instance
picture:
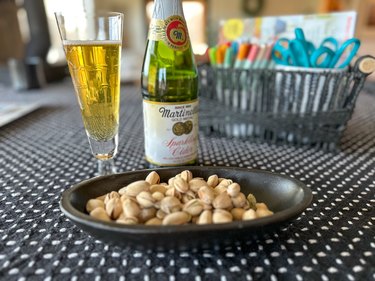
column 300, row 52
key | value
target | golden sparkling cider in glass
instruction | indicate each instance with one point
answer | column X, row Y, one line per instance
column 95, row 70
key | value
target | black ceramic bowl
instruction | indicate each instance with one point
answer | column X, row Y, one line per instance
column 285, row 196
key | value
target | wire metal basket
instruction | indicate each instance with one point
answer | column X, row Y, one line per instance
column 288, row 105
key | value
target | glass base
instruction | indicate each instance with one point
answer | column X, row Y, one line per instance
column 104, row 151
column 106, row 167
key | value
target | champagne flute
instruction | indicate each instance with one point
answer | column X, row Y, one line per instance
column 92, row 44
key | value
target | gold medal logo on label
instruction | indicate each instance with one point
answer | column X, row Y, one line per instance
column 176, row 33
column 172, row 31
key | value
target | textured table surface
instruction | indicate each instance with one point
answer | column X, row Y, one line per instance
column 45, row 152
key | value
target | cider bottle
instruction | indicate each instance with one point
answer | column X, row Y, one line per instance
column 169, row 89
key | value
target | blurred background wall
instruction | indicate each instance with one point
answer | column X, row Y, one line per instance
column 17, row 23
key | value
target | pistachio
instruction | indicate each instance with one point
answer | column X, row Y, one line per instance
column 170, row 204
column 222, row 201
column 173, row 192
column 263, row 212
column 240, row 201
column 114, row 208
column 213, row 181
column 187, row 175
column 182, row 200
column 196, row 183
column 101, row 197
column 130, row 208
column 128, row 220
column 221, row 216
column 145, row 199
column 207, row 206
column 189, row 195
column 176, row 218
column 111, row 195
column 158, row 196
column 193, row 207
column 220, row 189
column 205, row 217
column 158, row 188
column 147, row 214
column 249, row 215
column 233, row 189
column 261, row 206
column 252, row 201
column 154, row 221
column 124, row 197
column 237, row 213
column 171, row 182
column 153, row 178
column 134, row 188
column 160, row 214
column 225, row 182
column 94, row 203
column 206, row 194
column 100, row 213
column 181, row 185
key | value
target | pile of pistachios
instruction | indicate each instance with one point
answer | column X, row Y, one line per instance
column 183, row 199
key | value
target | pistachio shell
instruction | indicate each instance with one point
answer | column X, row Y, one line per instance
column 154, row 221
column 160, row 214
column 158, row 196
column 262, row 212
column 114, row 208
column 261, row 206
column 112, row 194
column 187, row 175
column 222, row 201
column 181, row 185
column 176, row 218
column 193, row 207
column 100, row 213
column 128, row 220
column 221, row 216
column 240, row 201
column 130, row 208
column 249, row 215
column 206, row 194
column 102, row 197
column 153, row 178
column 158, row 188
column 189, row 195
column 226, row 182
column 170, row 204
column 196, row 183
column 145, row 199
column 213, row 180
column 134, row 188
column 237, row 213
column 147, row 214
column 234, row 189
column 205, row 217
column 94, row 203
column 220, row 189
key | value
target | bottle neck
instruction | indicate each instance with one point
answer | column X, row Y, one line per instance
column 166, row 8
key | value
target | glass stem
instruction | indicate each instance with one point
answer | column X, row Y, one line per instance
column 106, row 167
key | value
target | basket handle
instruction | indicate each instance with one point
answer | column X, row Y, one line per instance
column 365, row 65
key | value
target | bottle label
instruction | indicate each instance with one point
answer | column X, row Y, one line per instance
column 171, row 132
column 172, row 31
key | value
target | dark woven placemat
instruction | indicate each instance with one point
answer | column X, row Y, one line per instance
column 46, row 151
